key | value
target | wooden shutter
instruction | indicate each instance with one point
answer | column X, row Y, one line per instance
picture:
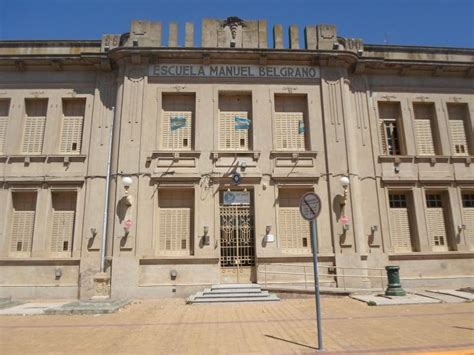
column 436, row 222
column 175, row 218
column 293, row 230
column 287, row 136
column 71, row 131
column 180, row 138
column 229, row 137
column 34, row 125
column 468, row 214
column 389, row 116
column 424, row 137
column 400, row 230
column 64, row 211
column 458, row 137
column 23, row 222
column 4, row 110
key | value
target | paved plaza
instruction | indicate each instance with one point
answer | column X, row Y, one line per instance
column 171, row 326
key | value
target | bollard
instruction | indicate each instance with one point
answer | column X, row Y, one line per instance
column 394, row 288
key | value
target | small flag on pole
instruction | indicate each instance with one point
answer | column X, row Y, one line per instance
column 300, row 127
column 177, row 122
column 242, row 123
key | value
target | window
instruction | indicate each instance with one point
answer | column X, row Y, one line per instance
column 400, row 229
column 468, row 214
column 175, row 209
column 177, row 121
column 458, row 116
column 235, row 121
column 72, row 122
column 63, row 219
column 34, row 125
column 436, row 222
column 23, row 223
column 293, row 230
column 390, row 127
column 4, row 111
column 424, row 119
column 290, row 122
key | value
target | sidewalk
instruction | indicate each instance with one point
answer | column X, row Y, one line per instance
column 170, row 326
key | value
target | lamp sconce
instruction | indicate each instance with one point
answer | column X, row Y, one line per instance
column 243, row 165
column 346, row 227
column 173, row 274
column 374, row 228
column 269, row 238
column 345, row 185
column 127, row 181
column 58, row 272
column 93, row 233
column 461, row 227
column 205, row 235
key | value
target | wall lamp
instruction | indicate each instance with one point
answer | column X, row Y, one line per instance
column 127, row 181
column 374, row 228
column 345, row 185
column 205, row 235
column 461, row 227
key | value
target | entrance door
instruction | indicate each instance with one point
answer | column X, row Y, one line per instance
column 237, row 244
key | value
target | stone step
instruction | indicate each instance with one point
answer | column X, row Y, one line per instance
column 233, row 299
column 235, row 286
column 226, row 291
column 233, row 295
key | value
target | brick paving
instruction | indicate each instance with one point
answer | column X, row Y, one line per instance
column 170, row 326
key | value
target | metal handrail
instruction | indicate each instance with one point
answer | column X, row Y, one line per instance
column 339, row 273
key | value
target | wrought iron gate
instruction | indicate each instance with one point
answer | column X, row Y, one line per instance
column 237, row 243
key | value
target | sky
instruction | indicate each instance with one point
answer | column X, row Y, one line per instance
column 441, row 23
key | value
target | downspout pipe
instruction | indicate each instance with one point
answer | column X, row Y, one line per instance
column 106, row 198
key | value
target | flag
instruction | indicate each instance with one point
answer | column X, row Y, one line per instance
column 177, row 122
column 300, row 127
column 242, row 123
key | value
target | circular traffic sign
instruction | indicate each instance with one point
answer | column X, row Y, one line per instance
column 310, row 206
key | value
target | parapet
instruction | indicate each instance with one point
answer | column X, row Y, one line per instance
column 232, row 32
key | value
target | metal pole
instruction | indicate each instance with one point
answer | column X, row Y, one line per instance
column 314, row 247
column 106, row 198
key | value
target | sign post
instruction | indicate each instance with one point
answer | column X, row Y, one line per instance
column 310, row 207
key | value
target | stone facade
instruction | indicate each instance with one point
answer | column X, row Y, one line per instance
column 183, row 121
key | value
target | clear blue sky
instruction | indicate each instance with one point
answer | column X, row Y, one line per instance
column 406, row 22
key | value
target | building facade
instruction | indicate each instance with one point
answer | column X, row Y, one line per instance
column 139, row 168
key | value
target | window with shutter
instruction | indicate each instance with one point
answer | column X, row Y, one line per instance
column 235, row 122
column 457, row 117
column 468, row 214
column 63, row 219
column 290, row 121
column 424, row 117
column 436, row 222
column 293, row 230
column 72, row 123
column 175, row 222
column 400, row 231
column 23, row 222
column 4, row 111
column 389, row 126
column 177, row 121
column 34, row 125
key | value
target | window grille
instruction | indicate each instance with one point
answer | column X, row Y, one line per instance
column 64, row 211
column 4, row 111
column 23, row 222
column 34, row 125
column 72, row 123
column 389, row 115
column 293, row 230
column 457, row 116
column 175, row 218
column 436, row 222
column 424, row 116
column 400, row 232
column 468, row 214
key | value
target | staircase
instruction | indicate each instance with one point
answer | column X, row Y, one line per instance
column 232, row 293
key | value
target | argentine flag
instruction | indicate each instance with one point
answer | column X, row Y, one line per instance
column 242, row 123
column 177, row 122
